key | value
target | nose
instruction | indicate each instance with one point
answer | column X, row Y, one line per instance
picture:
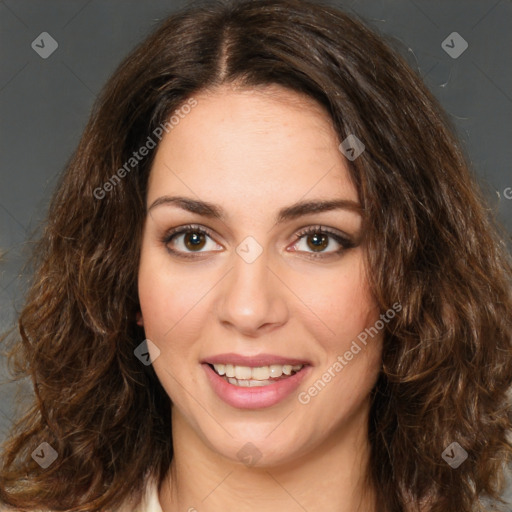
column 252, row 299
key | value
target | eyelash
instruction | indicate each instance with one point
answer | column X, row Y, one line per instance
column 344, row 242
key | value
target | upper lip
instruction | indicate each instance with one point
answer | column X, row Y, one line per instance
column 252, row 361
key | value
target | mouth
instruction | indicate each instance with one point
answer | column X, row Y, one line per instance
column 255, row 387
column 255, row 376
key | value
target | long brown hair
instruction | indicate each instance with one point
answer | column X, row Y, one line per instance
column 430, row 244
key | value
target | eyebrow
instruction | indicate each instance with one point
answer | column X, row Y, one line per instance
column 291, row 212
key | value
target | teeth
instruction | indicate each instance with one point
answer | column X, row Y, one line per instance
column 258, row 373
column 287, row 369
column 243, row 372
column 261, row 373
column 248, row 383
column 276, row 370
column 220, row 369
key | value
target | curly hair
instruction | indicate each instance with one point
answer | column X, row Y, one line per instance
column 431, row 243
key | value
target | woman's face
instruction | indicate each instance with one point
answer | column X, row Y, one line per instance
column 255, row 294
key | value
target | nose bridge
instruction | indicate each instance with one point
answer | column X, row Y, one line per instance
column 252, row 296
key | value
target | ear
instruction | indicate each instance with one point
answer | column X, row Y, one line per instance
column 139, row 319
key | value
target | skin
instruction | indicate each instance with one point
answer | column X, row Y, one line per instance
column 253, row 152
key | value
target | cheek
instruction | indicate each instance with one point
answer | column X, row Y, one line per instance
column 166, row 304
column 341, row 306
column 171, row 307
column 174, row 304
column 349, row 367
column 164, row 296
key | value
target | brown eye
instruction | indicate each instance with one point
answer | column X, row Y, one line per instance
column 318, row 239
column 194, row 240
column 186, row 240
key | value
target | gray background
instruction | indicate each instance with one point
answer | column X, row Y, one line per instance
column 45, row 103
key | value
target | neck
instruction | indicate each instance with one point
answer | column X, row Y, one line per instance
column 328, row 477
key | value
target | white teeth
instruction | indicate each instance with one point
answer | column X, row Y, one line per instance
column 276, row 370
column 220, row 369
column 259, row 374
column 248, row 383
column 243, row 372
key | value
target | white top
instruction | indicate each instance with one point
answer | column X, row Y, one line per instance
column 150, row 502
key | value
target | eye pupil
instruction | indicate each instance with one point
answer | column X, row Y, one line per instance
column 194, row 240
column 319, row 241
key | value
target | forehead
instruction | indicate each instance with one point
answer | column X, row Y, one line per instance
column 267, row 144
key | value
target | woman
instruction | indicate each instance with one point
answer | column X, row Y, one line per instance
column 268, row 281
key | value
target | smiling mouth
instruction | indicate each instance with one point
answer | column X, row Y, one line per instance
column 247, row 376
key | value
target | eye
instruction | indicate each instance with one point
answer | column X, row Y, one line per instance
column 192, row 237
column 318, row 238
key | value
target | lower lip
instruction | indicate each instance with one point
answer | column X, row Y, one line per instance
column 255, row 397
